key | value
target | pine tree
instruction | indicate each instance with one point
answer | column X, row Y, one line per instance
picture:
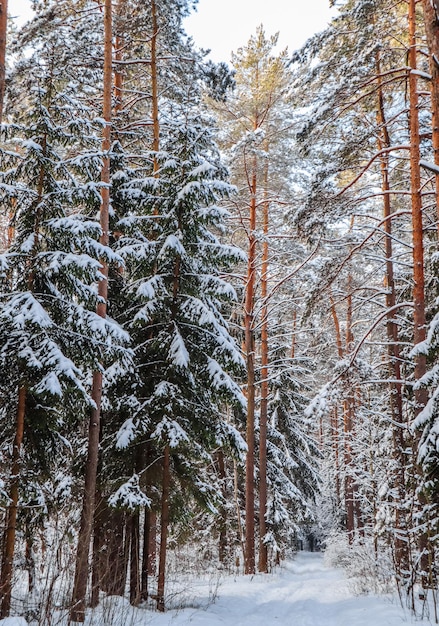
column 3, row 34
column 249, row 112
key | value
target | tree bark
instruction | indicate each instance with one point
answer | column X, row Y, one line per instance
column 348, row 426
column 98, row 569
column 383, row 142
column 419, row 328
column 432, row 33
column 335, row 438
column 117, row 537
column 164, row 522
column 3, row 35
column 149, row 556
column 11, row 514
column 337, row 328
column 334, row 415
column 152, row 544
column 144, row 570
column 118, row 56
column 154, row 85
column 222, row 547
column 77, row 612
column 263, row 416
column 249, row 345
column 135, row 560
column 30, row 557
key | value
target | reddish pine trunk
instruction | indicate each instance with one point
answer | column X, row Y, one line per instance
column 419, row 329
column 118, row 56
column 348, row 426
column 418, row 241
column 11, row 513
column 348, row 487
column 401, row 545
column 164, row 522
column 263, row 552
column 432, row 33
column 149, row 556
column 334, row 416
column 77, row 612
column 3, row 32
column 249, row 345
column 335, row 437
column 154, row 83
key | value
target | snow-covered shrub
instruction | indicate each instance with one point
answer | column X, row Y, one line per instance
column 368, row 570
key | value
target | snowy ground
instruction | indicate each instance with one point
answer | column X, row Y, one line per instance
column 302, row 593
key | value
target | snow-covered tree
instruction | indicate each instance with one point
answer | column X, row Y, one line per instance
column 51, row 336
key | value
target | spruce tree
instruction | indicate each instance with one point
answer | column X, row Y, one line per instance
column 51, row 335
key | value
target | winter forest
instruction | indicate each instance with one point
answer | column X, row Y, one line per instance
column 219, row 306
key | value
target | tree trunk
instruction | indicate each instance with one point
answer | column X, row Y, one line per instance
column 77, row 612
column 98, row 571
column 400, row 543
column 432, row 33
column 154, row 84
column 3, row 34
column 334, row 416
column 30, row 558
column 335, row 438
column 337, row 328
column 117, row 538
column 349, row 487
column 152, row 544
column 419, row 329
column 263, row 417
column 11, row 513
column 118, row 56
column 145, row 561
column 135, row 560
column 249, row 345
column 222, row 547
column 164, row 522
column 348, row 414
column 149, row 556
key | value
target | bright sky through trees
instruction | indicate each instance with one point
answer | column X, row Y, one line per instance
column 225, row 25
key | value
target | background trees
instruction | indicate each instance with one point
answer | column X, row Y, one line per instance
column 370, row 139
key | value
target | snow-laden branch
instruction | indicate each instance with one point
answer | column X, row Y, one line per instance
column 379, row 319
column 369, row 163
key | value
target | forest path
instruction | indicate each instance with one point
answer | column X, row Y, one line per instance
column 303, row 592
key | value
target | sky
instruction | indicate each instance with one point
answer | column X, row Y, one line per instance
column 225, row 25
